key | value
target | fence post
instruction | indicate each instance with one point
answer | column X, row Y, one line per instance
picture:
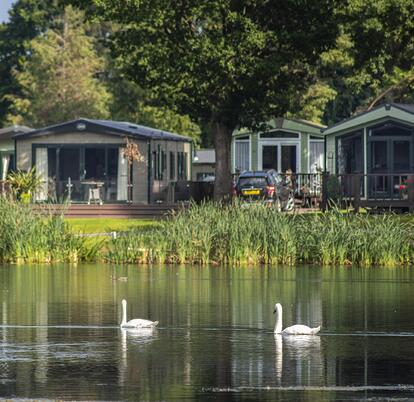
column 410, row 184
column 324, row 202
column 356, row 191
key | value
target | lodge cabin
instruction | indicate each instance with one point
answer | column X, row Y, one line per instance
column 370, row 156
column 82, row 161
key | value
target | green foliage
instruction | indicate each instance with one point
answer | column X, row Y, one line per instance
column 313, row 103
column 33, row 235
column 220, row 60
column 132, row 103
column 28, row 18
column 371, row 62
column 58, row 82
column 217, row 234
column 24, row 184
column 223, row 63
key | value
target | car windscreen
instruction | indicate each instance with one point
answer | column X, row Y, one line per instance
column 252, row 181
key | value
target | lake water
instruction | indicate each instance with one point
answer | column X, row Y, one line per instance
column 60, row 336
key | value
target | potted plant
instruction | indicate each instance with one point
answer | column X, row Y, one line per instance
column 24, row 184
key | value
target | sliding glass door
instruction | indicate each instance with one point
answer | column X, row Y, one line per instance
column 270, row 157
column 82, row 173
column 279, row 156
column 390, row 160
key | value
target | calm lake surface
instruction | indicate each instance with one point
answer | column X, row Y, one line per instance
column 60, row 337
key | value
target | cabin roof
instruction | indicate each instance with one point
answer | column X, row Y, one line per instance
column 119, row 128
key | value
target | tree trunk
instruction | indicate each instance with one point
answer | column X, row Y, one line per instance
column 222, row 143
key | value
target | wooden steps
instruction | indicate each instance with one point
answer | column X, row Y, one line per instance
column 136, row 211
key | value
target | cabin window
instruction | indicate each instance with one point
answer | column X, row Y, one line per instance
column 172, row 166
column 279, row 134
column 182, row 165
column 350, row 153
column 316, row 155
column 242, row 155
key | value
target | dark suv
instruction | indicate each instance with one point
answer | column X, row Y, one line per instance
column 265, row 186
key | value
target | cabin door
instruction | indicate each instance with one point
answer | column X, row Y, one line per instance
column 389, row 160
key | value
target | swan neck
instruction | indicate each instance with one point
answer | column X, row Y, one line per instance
column 124, row 313
column 278, row 325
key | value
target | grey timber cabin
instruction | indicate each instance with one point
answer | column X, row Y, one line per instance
column 83, row 161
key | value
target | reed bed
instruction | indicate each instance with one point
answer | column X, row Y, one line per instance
column 227, row 234
column 34, row 236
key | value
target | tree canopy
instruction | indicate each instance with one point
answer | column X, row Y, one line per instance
column 225, row 63
column 59, row 82
column 27, row 62
column 28, row 18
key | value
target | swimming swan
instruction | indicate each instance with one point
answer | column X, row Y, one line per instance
column 137, row 322
column 294, row 329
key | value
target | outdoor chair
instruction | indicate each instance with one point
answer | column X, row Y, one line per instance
column 95, row 196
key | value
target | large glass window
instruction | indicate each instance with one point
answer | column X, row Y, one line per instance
column 391, row 147
column 172, row 166
column 316, row 155
column 270, row 157
column 242, row 155
column 94, row 163
column 350, row 153
column 390, row 129
column 279, row 134
column 69, row 163
column 181, row 166
column 379, row 156
column 289, row 158
column 77, row 172
column 401, row 156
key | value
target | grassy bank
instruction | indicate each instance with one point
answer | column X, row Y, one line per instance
column 259, row 235
column 209, row 234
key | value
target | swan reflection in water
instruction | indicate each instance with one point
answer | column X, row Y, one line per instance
column 295, row 352
column 134, row 337
column 137, row 336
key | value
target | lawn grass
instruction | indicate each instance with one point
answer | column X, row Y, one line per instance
column 105, row 225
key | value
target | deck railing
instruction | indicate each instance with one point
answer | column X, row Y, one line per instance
column 369, row 190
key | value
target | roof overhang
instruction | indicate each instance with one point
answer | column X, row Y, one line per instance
column 119, row 129
column 384, row 112
column 281, row 123
column 8, row 133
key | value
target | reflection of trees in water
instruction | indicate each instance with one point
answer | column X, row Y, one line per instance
column 215, row 327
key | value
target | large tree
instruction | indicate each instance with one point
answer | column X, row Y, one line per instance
column 132, row 103
column 372, row 61
column 60, row 79
column 225, row 63
column 28, row 19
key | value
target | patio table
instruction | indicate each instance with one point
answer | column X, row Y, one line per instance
column 94, row 193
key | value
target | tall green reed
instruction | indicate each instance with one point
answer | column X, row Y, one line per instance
column 232, row 234
column 29, row 234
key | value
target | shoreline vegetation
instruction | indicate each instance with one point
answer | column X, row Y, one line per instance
column 214, row 234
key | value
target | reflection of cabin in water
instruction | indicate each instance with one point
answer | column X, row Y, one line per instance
column 377, row 148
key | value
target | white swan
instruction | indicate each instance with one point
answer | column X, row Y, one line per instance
column 294, row 329
column 135, row 323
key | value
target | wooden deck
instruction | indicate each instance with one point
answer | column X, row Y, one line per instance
column 132, row 211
